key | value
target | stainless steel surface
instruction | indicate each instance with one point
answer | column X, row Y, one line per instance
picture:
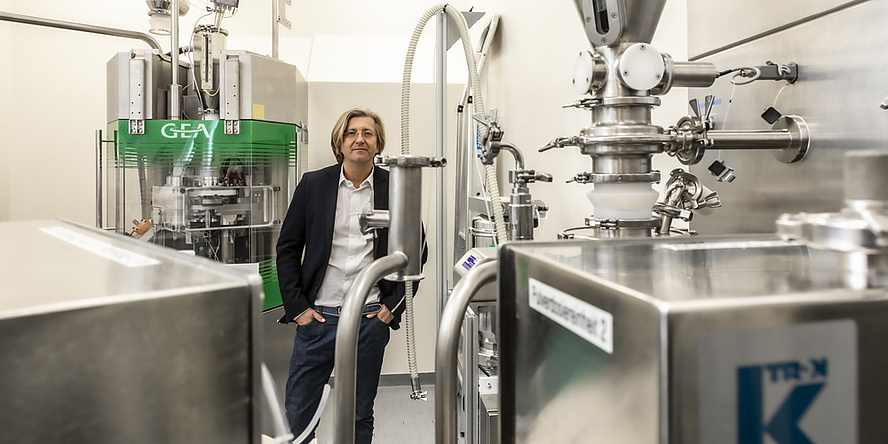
column 521, row 214
column 860, row 231
column 638, row 19
column 208, row 42
column 864, row 176
column 346, row 357
column 99, row 176
column 482, row 232
column 683, row 196
column 230, row 108
column 715, row 25
column 270, row 89
column 276, row 349
column 405, row 203
column 73, row 26
column 838, row 94
column 791, row 136
column 175, row 91
column 441, row 46
column 405, row 225
column 107, row 340
column 135, row 72
column 679, row 324
column 446, row 350
column 685, row 75
column 275, row 32
column 468, row 375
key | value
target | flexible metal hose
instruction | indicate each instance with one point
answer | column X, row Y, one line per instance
column 489, row 170
column 477, row 102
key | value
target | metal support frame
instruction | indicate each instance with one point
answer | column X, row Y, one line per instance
column 440, row 177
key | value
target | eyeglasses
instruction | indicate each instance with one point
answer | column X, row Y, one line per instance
column 366, row 134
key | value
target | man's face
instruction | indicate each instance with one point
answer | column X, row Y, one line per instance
column 359, row 142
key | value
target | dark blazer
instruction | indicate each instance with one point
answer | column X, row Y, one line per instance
column 308, row 227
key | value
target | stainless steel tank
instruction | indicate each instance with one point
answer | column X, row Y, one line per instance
column 106, row 339
column 730, row 339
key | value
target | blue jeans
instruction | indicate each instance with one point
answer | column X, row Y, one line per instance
column 312, row 363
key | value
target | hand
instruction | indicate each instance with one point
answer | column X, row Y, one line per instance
column 308, row 316
column 383, row 314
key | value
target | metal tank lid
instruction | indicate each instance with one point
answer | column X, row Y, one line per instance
column 55, row 265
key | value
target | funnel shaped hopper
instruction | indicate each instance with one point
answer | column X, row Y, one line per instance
column 612, row 22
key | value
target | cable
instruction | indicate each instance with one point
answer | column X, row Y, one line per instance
column 197, row 87
column 751, row 72
column 757, row 73
column 774, row 105
column 727, row 110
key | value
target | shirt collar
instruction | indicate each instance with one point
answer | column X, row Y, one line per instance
column 367, row 182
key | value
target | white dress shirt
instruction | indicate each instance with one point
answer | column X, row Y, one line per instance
column 351, row 250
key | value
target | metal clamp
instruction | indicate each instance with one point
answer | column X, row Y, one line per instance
column 653, row 176
column 410, row 161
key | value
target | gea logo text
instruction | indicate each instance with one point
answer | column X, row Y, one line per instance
column 184, row 130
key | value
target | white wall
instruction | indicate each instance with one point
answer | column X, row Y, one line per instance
column 52, row 92
column 6, row 106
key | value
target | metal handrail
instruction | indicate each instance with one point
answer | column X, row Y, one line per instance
column 447, row 349
column 345, row 361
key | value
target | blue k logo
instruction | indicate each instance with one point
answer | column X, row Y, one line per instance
column 783, row 425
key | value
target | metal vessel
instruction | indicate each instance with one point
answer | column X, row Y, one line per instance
column 158, row 347
column 688, row 340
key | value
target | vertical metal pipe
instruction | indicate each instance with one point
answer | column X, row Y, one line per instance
column 405, row 224
column 175, row 89
column 275, row 32
column 447, row 349
column 99, row 223
column 345, row 361
column 440, row 124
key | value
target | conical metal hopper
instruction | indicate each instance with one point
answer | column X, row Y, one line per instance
column 611, row 22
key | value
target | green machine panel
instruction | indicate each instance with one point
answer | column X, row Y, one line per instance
column 186, row 184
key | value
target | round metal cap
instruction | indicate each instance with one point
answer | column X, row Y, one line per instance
column 641, row 67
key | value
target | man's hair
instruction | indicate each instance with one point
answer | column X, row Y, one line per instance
column 338, row 134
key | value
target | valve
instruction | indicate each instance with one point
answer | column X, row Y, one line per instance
column 494, row 135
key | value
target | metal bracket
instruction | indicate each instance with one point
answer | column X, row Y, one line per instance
column 230, row 103
column 136, row 126
column 282, row 12
column 137, row 94
column 232, row 127
column 304, row 131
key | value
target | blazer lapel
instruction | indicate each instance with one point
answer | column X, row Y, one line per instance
column 331, row 192
column 380, row 189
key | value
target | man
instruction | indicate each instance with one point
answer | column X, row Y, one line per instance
column 323, row 223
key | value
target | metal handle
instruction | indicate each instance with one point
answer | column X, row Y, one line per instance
column 345, row 361
column 447, row 348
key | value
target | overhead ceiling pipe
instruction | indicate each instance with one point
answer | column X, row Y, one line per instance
column 73, row 26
